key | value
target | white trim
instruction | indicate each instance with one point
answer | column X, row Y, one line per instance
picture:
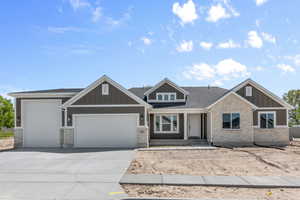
column 92, row 86
column 159, row 101
column 107, row 105
column 66, row 117
column 282, row 126
column 41, row 95
column 211, row 127
column 38, row 100
column 265, row 91
column 183, row 110
column 185, row 132
column 287, row 117
column 166, row 132
column 272, row 108
column 266, row 112
column 248, row 91
column 163, row 82
column 229, row 93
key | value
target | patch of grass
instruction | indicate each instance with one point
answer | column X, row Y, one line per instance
column 4, row 135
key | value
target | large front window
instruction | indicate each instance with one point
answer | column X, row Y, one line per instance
column 166, row 123
column 231, row 120
column 267, row 119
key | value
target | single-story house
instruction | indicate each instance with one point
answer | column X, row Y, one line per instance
column 105, row 114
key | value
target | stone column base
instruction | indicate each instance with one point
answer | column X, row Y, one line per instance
column 18, row 137
column 67, row 137
column 143, row 137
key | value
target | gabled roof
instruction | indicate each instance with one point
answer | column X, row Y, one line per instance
column 168, row 82
column 63, row 92
column 264, row 90
column 97, row 83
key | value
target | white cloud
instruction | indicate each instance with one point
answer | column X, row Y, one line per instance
column 230, row 44
column 295, row 59
column 122, row 20
column 285, row 68
column 217, row 83
column 221, row 11
column 96, row 14
column 254, row 40
column 268, row 37
column 187, row 12
column 227, row 69
column 259, row 68
column 185, row 46
column 260, row 2
column 77, row 4
column 62, row 30
column 206, row 45
column 146, row 41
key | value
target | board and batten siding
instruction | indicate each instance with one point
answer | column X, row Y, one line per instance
column 281, row 118
column 19, row 108
column 179, row 135
column 105, row 110
column 95, row 97
column 258, row 98
column 166, row 88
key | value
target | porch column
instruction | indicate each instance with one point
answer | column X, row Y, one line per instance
column 185, row 126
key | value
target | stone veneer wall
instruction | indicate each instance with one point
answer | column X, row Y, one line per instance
column 274, row 136
column 18, row 137
column 142, row 137
column 67, row 137
column 243, row 136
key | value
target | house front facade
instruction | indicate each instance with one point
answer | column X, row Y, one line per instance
column 106, row 115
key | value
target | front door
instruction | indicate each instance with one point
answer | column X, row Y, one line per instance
column 194, row 126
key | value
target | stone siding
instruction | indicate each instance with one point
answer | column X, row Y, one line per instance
column 18, row 137
column 68, row 137
column 240, row 137
column 274, row 136
column 142, row 137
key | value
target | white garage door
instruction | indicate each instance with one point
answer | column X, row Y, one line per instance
column 41, row 121
column 107, row 130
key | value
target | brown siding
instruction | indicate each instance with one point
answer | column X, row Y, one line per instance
column 280, row 117
column 18, row 108
column 179, row 135
column 105, row 110
column 258, row 98
column 95, row 97
column 166, row 88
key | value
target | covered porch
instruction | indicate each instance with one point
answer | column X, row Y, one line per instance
column 170, row 127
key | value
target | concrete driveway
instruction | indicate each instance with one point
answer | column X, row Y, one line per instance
column 38, row 174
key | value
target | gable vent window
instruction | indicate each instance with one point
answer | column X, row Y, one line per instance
column 248, row 91
column 105, row 89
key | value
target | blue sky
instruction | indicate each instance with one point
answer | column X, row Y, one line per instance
column 71, row 43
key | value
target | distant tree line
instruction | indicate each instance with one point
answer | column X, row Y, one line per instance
column 293, row 98
column 6, row 113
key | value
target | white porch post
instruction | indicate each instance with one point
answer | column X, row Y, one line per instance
column 185, row 126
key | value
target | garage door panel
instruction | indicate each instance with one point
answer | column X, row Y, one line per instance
column 41, row 122
column 105, row 131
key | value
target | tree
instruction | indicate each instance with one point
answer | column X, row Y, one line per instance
column 293, row 98
column 6, row 113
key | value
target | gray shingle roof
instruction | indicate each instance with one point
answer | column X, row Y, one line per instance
column 199, row 97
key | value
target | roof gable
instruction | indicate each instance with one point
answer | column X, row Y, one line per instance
column 91, row 88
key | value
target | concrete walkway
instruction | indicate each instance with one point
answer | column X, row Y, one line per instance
column 77, row 174
column 225, row 181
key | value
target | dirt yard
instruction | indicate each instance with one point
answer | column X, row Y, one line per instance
column 211, row 192
column 7, row 143
column 220, row 162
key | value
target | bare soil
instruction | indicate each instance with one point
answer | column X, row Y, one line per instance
column 211, row 192
column 256, row 161
column 7, row 143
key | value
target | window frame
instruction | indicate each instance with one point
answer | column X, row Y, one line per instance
column 105, row 89
column 266, row 113
column 169, row 94
column 160, row 123
column 250, row 90
column 231, row 121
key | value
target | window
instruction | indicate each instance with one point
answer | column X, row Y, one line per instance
column 166, row 123
column 167, row 97
column 231, row 120
column 266, row 119
column 105, row 89
column 248, row 91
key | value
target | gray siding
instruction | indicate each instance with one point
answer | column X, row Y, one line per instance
column 281, row 118
column 105, row 110
column 95, row 97
column 166, row 88
column 258, row 98
column 19, row 105
column 179, row 135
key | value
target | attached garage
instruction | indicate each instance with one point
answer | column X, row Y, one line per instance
column 105, row 130
column 41, row 122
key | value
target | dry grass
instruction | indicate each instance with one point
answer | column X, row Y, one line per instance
column 211, row 192
column 220, row 162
